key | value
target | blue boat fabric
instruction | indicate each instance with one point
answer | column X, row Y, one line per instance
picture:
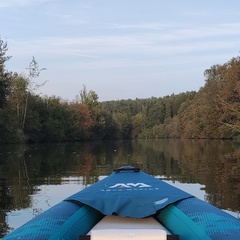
column 61, row 221
column 129, row 192
column 194, row 219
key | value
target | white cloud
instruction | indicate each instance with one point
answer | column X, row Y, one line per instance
column 151, row 45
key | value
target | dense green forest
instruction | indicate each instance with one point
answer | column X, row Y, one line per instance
column 212, row 112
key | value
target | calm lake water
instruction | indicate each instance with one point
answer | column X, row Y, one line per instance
column 33, row 178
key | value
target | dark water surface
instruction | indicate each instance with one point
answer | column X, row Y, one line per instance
column 36, row 177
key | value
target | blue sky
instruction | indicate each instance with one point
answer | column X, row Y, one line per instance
column 120, row 49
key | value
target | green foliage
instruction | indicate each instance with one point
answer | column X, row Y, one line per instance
column 4, row 88
column 9, row 131
column 3, row 57
column 5, row 77
column 89, row 98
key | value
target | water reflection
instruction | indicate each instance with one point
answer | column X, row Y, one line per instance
column 26, row 170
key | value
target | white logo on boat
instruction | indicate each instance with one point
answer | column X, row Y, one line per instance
column 161, row 201
column 131, row 185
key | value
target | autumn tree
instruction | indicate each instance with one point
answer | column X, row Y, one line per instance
column 90, row 99
column 81, row 121
column 224, row 81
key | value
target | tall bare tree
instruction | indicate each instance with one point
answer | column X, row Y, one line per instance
column 32, row 86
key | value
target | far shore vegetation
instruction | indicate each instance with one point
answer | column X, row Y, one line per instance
column 213, row 112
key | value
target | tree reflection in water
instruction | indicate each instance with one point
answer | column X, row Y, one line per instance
column 27, row 170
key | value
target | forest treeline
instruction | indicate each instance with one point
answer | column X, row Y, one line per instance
column 212, row 112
